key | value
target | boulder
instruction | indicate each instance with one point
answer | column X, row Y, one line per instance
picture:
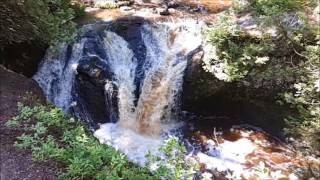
column 92, row 100
column 163, row 11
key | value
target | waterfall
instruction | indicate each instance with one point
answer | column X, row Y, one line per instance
column 123, row 65
column 106, row 57
column 57, row 73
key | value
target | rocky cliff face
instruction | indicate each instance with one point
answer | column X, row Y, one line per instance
column 22, row 58
column 207, row 96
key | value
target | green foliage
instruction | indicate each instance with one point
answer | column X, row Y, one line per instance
column 12, row 123
column 306, row 99
column 53, row 135
column 293, row 53
column 53, row 19
column 173, row 164
column 278, row 7
column 239, row 51
column 49, row 21
column 78, row 8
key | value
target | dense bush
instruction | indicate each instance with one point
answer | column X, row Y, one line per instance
column 52, row 135
column 290, row 54
column 306, row 99
column 278, row 7
column 240, row 52
column 46, row 21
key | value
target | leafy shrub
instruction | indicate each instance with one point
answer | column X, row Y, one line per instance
column 240, row 52
column 53, row 135
column 278, row 7
column 173, row 164
column 306, row 99
column 53, row 19
column 78, row 8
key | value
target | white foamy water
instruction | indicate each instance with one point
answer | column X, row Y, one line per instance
column 123, row 65
column 252, row 155
column 134, row 145
column 227, row 156
column 139, row 127
column 57, row 74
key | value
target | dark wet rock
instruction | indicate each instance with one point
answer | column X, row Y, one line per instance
column 164, row 12
column 199, row 86
column 172, row 4
column 92, row 104
column 200, row 9
column 91, row 101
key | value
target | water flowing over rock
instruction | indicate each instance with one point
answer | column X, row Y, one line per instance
column 133, row 75
column 130, row 75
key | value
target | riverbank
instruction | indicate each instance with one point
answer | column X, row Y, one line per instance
column 18, row 164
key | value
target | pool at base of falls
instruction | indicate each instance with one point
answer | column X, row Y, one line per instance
column 134, row 145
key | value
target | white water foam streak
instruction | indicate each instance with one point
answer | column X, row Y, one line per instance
column 57, row 67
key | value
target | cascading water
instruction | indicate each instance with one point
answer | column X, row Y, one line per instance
column 57, row 74
column 131, row 81
column 142, row 118
column 126, row 77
